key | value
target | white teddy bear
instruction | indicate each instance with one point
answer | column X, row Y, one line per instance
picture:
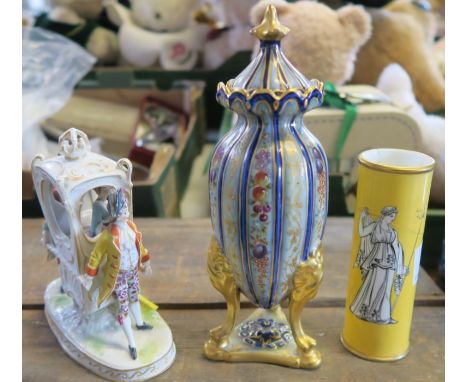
column 158, row 31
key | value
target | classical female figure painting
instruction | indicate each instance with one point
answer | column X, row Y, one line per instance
column 381, row 261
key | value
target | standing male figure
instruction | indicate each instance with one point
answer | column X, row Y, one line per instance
column 121, row 247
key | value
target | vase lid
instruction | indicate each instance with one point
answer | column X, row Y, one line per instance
column 271, row 72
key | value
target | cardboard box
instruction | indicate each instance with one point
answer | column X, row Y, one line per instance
column 128, row 76
column 160, row 192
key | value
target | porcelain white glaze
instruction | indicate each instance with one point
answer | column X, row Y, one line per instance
column 98, row 343
column 100, row 336
column 62, row 184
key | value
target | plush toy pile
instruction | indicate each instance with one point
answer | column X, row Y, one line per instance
column 404, row 32
column 78, row 20
column 166, row 33
column 155, row 32
column 322, row 43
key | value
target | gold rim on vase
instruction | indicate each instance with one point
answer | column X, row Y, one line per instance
column 396, row 161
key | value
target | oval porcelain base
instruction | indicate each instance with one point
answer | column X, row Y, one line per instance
column 100, row 344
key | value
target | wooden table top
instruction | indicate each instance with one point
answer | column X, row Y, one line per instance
column 190, row 305
column 179, row 251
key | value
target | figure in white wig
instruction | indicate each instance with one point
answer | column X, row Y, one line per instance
column 120, row 249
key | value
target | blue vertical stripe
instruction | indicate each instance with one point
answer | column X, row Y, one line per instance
column 278, row 207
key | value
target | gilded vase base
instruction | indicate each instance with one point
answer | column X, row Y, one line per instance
column 370, row 357
column 265, row 336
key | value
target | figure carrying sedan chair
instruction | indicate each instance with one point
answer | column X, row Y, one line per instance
column 120, row 247
column 86, row 199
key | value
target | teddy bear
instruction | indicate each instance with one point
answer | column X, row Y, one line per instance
column 403, row 31
column 322, row 42
column 232, row 35
column 77, row 20
column 163, row 32
column 395, row 82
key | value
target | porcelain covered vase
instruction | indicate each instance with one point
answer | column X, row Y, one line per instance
column 268, row 179
column 268, row 176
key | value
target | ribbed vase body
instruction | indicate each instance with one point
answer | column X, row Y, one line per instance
column 268, row 185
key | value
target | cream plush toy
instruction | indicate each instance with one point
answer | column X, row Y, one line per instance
column 322, row 43
column 404, row 32
column 76, row 20
column 396, row 83
column 160, row 32
column 233, row 33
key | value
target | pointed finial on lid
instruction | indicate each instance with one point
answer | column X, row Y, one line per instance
column 270, row 28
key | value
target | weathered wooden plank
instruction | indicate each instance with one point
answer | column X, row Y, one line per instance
column 179, row 278
column 43, row 359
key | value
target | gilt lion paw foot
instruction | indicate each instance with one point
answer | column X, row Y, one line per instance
column 307, row 344
column 311, row 360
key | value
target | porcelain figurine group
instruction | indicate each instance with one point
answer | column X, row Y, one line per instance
column 85, row 198
column 268, row 186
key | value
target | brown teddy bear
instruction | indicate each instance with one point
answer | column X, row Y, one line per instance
column 322, row 43
column 404, row 32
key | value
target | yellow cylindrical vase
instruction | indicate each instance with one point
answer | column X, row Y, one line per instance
column 392, row 197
